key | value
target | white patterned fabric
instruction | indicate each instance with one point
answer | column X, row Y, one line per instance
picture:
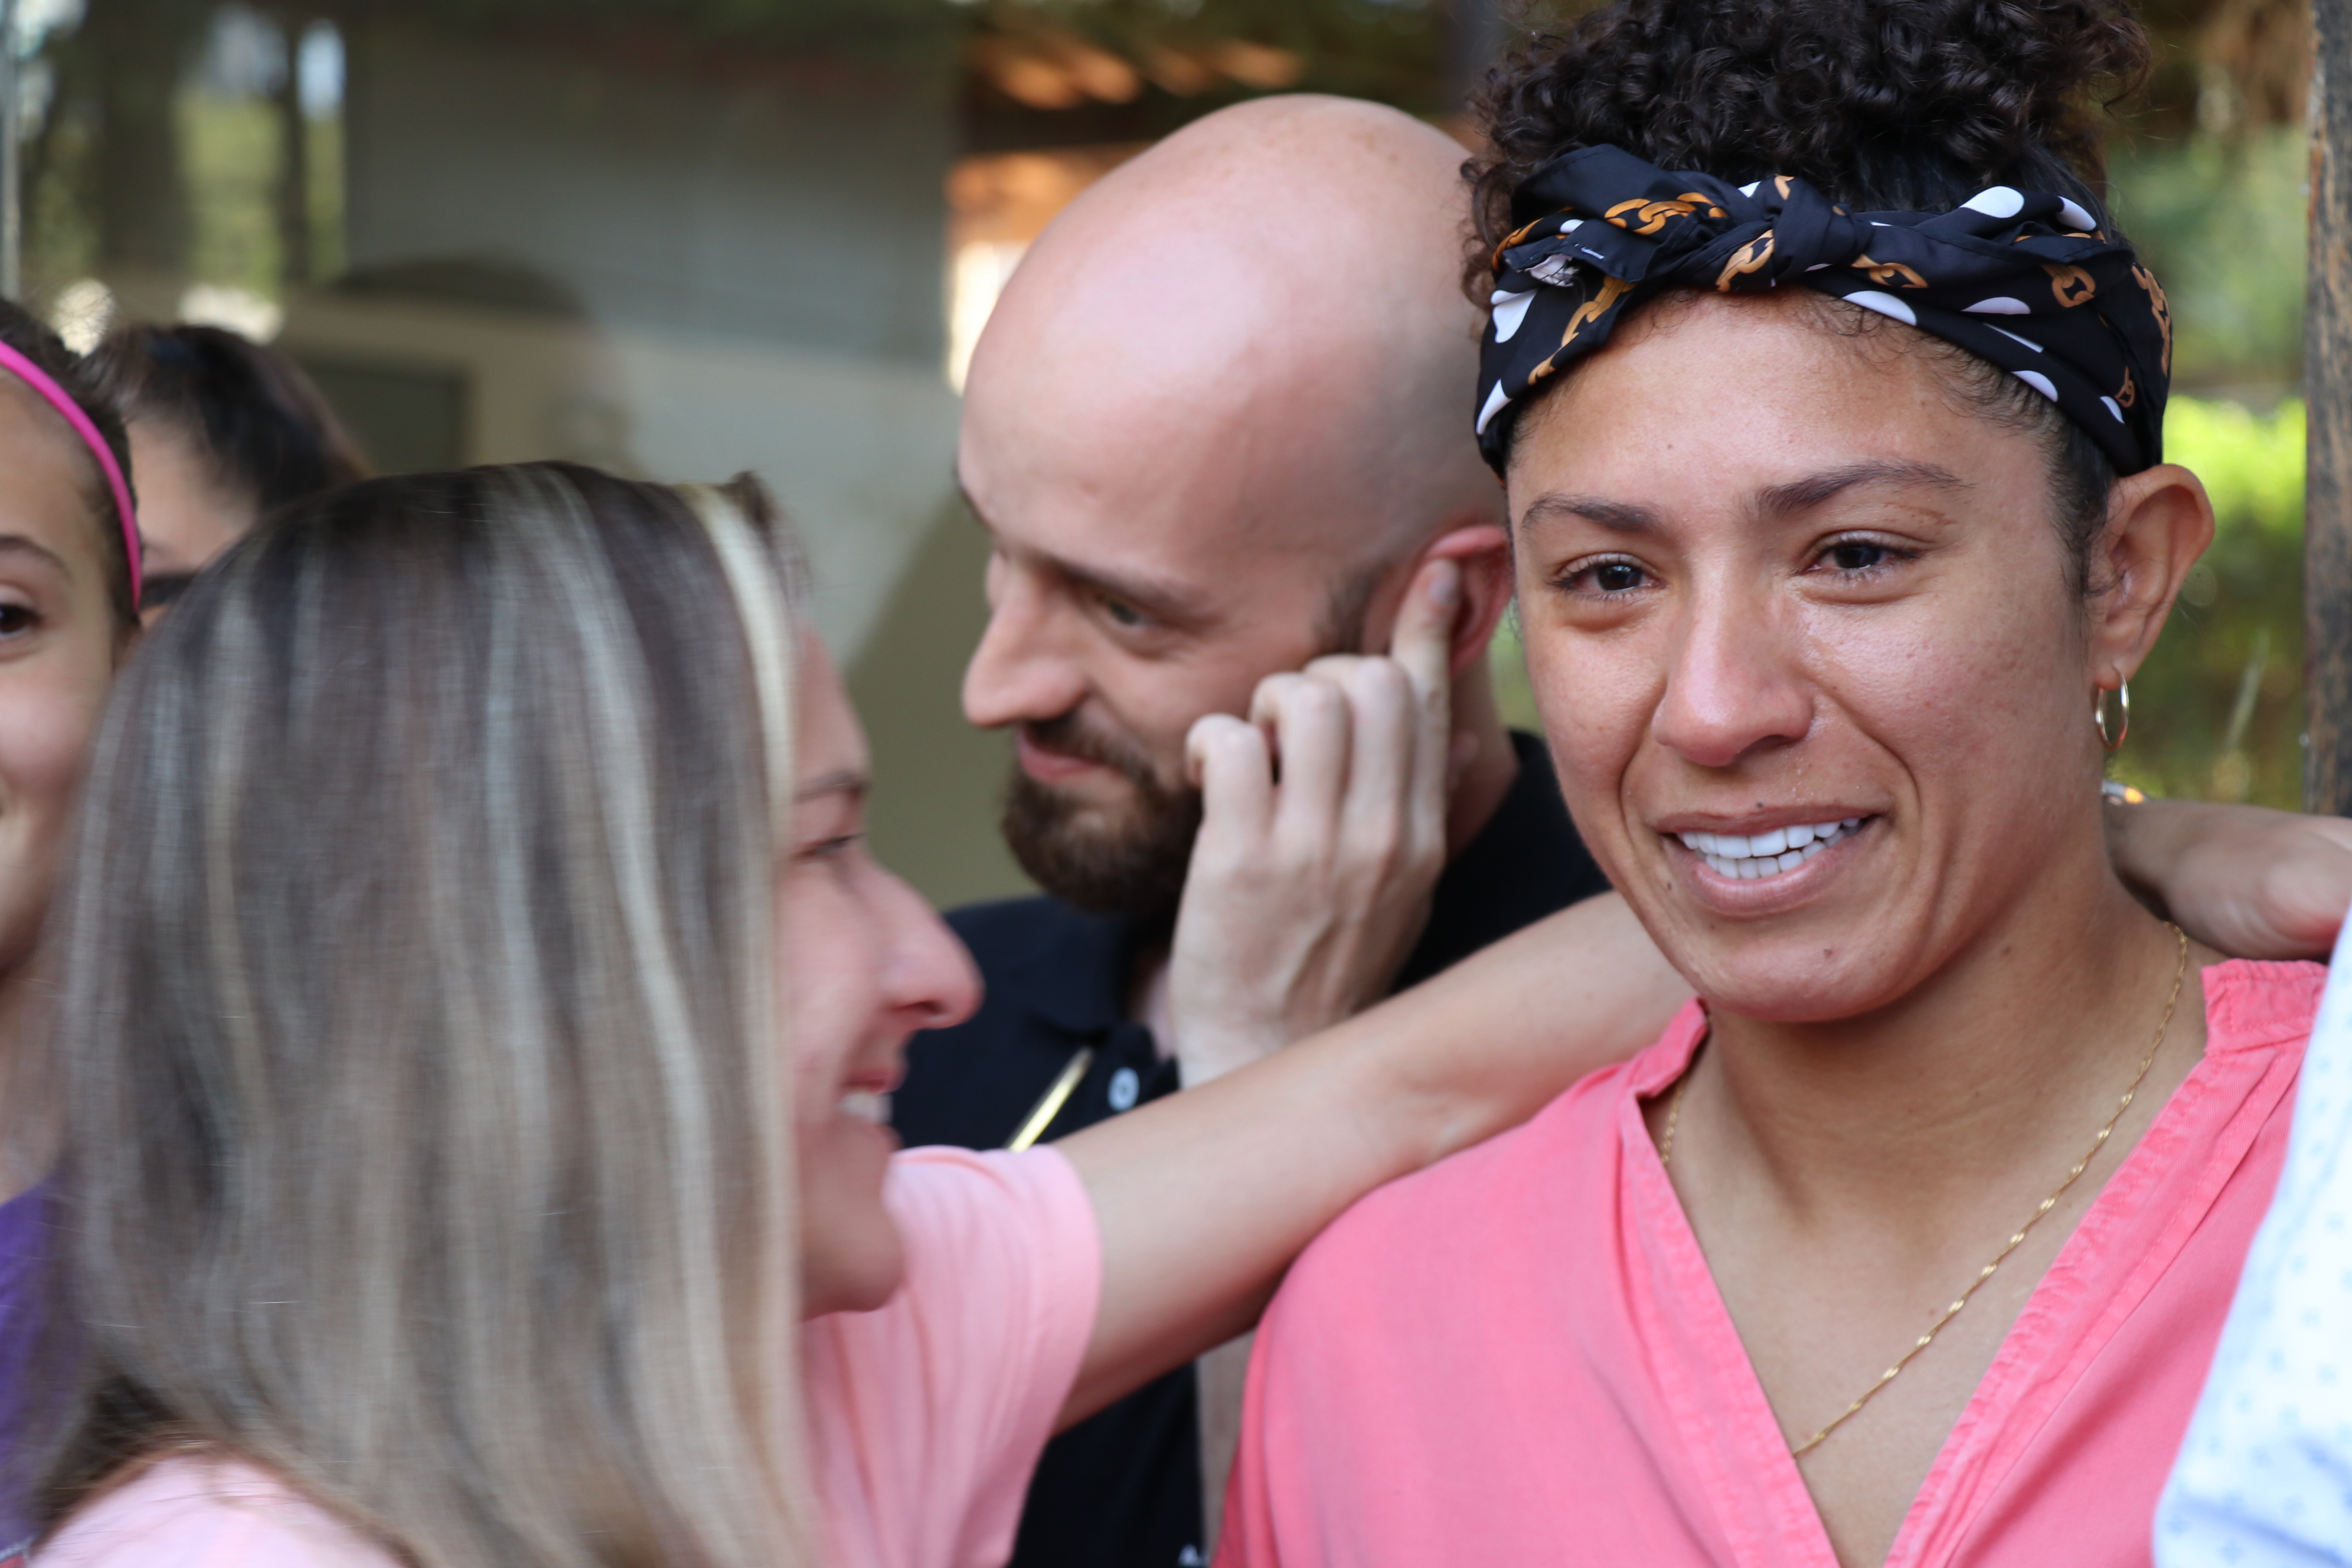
column 2264, row 1478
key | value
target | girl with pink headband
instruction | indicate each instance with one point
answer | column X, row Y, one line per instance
column 68, row 607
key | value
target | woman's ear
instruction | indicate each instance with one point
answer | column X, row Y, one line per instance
column 1483, row 553
column 2159, row 520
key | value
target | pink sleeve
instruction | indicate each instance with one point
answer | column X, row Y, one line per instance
column 928, row 1415
column 196, row 1513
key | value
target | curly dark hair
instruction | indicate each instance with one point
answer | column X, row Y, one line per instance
column 1910, row 105
column 1883, row 105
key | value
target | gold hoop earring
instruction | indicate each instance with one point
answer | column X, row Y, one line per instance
column 2099, row 715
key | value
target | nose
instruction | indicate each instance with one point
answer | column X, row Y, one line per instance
column 1017, row 675
column 928, row 979
column 1732, row 686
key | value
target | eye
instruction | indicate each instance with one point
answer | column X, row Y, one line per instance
column 16, row 620
column 1122, row 612
column 838, row 847
column 1862, row 559
column 1607, row 578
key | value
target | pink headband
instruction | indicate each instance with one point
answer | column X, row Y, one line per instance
column 40, row 381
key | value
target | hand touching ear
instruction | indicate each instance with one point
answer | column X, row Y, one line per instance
column 1323, row 832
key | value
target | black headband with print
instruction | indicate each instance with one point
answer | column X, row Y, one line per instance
column 2023, row 279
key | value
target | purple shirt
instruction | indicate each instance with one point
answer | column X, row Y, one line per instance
column 24, row 1245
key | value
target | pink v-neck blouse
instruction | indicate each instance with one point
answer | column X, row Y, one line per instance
column 1519, row 1356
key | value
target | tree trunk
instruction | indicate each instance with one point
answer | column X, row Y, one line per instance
column 2327, row 392
column 141, row 49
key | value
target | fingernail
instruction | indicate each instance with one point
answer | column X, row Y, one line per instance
column 1445, row 586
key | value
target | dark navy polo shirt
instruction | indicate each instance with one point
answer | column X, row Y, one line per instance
column 1122, row 1488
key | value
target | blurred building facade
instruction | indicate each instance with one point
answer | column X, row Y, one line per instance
column 679, row 238
column 683, row 238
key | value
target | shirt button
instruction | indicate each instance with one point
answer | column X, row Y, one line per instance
column 1124, row 1086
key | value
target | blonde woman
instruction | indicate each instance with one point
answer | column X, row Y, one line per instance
column 474, row 999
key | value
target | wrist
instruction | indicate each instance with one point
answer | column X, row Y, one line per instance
column 1205, row 1050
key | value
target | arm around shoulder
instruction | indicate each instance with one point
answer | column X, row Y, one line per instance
column 1203, row 1199
column 2244, row 880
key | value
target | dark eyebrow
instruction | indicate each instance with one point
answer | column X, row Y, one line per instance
column 851, row 782
column 1801, row 495
column 1798, row 495
column 19, row 544
column 1618, row 517
column 1162, row 600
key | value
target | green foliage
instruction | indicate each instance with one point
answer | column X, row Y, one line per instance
column 1508, row 659
column 2219, row 707
column 2221, row 225
column 231, row 160
column 2252, row 464
column 2217, row 712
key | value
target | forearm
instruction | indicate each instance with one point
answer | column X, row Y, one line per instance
column 1205, row 1197
column 2250, row 882
column 1500, row 1035
column 2145, row 841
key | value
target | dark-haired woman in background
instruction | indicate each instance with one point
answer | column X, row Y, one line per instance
column 1830, row 405
column 223, row 432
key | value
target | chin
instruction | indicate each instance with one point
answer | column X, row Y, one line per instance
column 1794, row 981
column 852, row 1269
column 851, row 1258
column 1817, row 972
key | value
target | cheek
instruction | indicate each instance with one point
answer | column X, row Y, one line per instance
column 45, row 727
column 1962, row 689
column 1157, row 703
column 828, row 999
column 825, row 985
column 47, row 719
column 1595, row 695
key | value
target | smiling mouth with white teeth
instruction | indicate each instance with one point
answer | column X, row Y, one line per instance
column 866, row 1105
column 1767, row 853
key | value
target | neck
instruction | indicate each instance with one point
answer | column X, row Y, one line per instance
column 2035, row 1023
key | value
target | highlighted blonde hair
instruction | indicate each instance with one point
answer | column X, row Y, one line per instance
column 428, row 1120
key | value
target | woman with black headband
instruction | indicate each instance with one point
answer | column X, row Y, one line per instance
column 1829, row 402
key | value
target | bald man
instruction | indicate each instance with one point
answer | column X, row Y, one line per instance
column 1216, row 427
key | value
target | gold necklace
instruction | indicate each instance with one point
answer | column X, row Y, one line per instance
column 2179, row 974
